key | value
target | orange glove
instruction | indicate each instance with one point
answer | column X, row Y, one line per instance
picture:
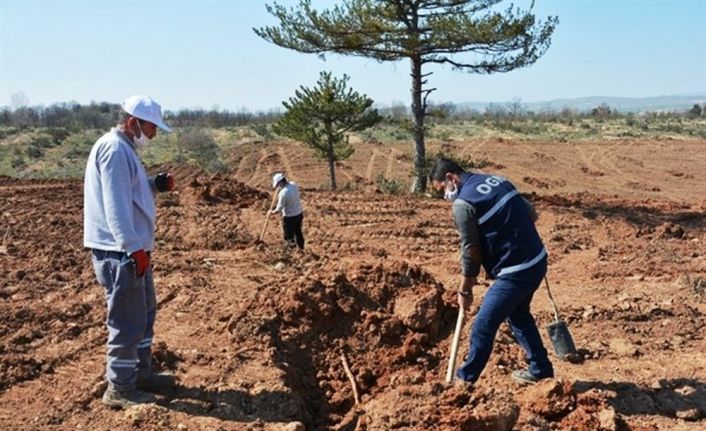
column 142, row 262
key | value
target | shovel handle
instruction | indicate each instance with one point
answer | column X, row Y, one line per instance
column 267, row 216
column 454, row 346
column 551, row 298
column 264, row 227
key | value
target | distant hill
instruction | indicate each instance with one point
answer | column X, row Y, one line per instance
column 680, row 103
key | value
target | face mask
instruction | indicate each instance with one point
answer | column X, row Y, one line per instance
column 143, row 140
column 450, row 195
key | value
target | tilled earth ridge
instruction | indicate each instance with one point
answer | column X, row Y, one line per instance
column 255, row 332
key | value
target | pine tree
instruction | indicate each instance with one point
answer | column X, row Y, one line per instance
column 423, row 31
column 322, row 118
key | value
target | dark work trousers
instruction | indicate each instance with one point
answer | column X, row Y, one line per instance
column 292, row 227
column 508, row 298
column 131, row 310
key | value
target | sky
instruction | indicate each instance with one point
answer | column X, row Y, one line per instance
column 204, row 54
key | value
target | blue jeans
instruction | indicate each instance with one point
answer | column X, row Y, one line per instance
column 131, row 310
column 508, row 298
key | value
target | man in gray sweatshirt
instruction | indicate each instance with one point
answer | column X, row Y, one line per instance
column 119, row 227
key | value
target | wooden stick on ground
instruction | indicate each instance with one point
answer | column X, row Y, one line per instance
column 267, row 217
column 454, row 346
column 3, row 247
column 347, row 369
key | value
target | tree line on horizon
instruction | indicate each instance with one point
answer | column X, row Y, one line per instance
column 74, row 116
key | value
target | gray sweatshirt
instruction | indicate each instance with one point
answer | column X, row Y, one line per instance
column 119, row 208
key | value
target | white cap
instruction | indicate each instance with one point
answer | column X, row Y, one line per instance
column 146, row 109
column 279, row 176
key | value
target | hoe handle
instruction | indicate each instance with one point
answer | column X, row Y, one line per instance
column 267, row 216
column 454, row 346
column 551, row 298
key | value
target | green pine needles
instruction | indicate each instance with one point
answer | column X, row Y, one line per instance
column 468, row 35
column 321, row 117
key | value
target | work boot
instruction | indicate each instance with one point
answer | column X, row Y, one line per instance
column 525, row 377
column 156, row 382
column 125, row 399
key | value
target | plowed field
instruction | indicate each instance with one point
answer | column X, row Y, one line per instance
column 255, row 333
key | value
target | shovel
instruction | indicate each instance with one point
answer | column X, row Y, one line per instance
column 454, row 346
column 267, row 217
column 559, row 333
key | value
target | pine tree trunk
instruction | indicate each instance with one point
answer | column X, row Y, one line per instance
column 331, row 164
column 420, row 184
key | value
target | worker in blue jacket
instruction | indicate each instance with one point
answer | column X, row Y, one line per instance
column 119, row 229
column 497, row 231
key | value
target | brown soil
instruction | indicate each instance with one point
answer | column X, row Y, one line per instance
column 255, row 332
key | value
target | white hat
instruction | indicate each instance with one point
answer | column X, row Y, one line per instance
column 146, row 109
column 279, row 176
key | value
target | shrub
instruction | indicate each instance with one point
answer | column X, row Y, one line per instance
column 601, row 111
column 33, row 151
column 8, row 131
column 58, row 134
column 390, row 186
column 78, row 145
column 348, row 187
column 42, row 140
column 198, row 146
column 18, row 162
column 695, row 110
column 264, row 131
column 442, row 135
column 630, row 120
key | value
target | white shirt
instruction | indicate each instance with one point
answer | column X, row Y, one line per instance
column 288, row 201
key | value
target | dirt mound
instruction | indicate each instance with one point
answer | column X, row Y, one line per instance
column 205, row 212
column 556, row 402
column 392, row 322
column 220, row 189
column 200, row 187
column 369, row 313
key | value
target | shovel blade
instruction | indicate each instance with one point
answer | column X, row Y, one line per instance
column 561, row 339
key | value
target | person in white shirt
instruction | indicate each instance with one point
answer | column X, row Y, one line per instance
column 290, row 205
column 119, row 229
